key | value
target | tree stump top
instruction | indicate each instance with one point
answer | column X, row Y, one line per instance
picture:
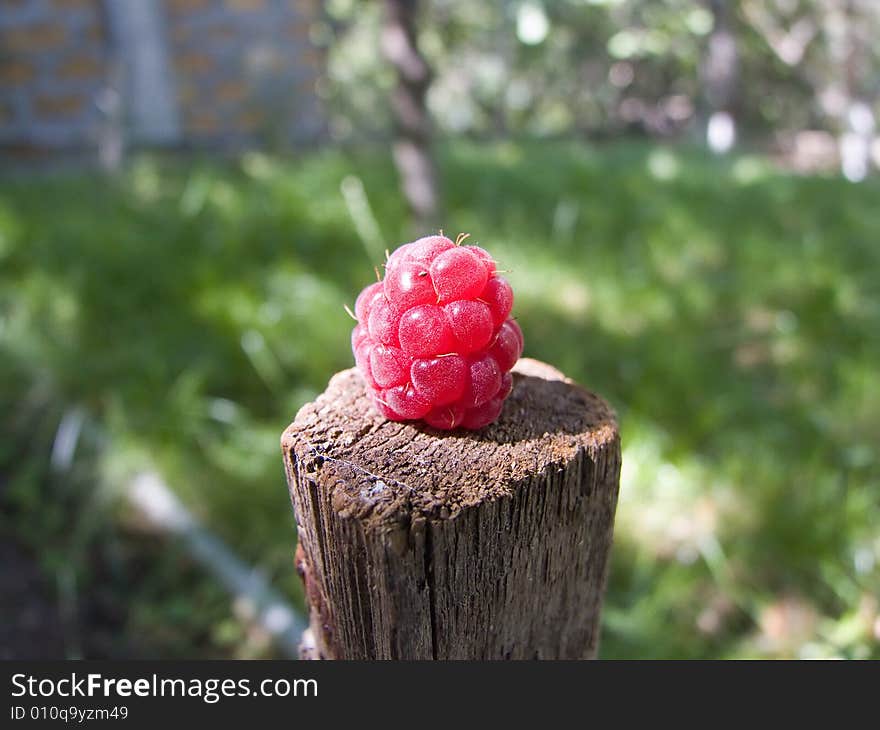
column 388, row 473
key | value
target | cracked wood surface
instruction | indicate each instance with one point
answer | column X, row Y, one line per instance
column 420, row 544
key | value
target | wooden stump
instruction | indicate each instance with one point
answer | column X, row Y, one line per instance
column 420, row 544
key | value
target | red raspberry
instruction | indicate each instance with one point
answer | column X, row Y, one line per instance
column 434, row 340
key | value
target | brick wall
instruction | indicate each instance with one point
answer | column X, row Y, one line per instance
column 52, row 60
column 244, row 67
column 242, row 71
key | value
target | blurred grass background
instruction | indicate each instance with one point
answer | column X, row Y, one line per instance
column 181, row 312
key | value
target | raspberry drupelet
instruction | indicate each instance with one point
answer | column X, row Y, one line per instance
column 434, row 339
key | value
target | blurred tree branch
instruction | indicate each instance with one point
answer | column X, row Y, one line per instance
column 788, row 44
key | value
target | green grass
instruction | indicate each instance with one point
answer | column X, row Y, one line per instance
column 729, row 312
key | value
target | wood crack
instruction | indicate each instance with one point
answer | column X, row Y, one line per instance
column 429, row 580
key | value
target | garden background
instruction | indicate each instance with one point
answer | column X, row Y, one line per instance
column 685, row 194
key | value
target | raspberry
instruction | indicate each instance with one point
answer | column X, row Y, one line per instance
column 499, row 299
column 425, row 250
column 485, row 257
column 384, row 321
column 458, row 274
column 425, row 331
column 440, row 380
column 483, row 415
column 508, row 345
column 485, row 380
column 434, row 340
column 389, row 366
column 409, row 284
column 471, row 324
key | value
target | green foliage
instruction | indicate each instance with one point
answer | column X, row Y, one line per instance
column 548, row 68
column 730, row 314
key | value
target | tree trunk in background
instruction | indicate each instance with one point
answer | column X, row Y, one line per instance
column 412, row 125
column 719, row 75
column 857, row 124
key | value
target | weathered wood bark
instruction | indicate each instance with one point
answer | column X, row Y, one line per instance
column 417, row 544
